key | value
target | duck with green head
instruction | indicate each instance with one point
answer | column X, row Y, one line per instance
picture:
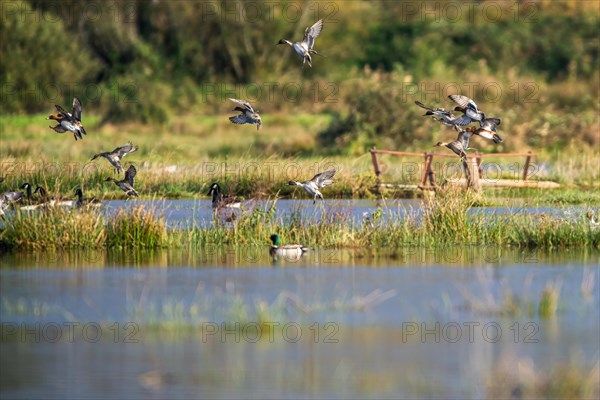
column 290, row 251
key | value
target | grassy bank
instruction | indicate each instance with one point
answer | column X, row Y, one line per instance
column 445, row 221
column 182, row 159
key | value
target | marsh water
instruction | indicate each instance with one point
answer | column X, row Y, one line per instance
column 230, row 322
column 189, row 213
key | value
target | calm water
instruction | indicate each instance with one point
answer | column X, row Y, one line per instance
column 401, row 323
column 187, row 213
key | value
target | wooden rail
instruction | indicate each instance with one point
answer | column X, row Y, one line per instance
column 428, row 173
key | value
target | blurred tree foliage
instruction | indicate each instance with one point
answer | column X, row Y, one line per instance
column 157, row 56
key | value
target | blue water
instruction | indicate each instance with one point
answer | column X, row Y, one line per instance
column 364, row 323
column 188, row 213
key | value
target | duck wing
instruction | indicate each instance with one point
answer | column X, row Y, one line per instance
column 311, row 33
column 423, row 106
column 324, row 178
column 492, row 121
column 239, row 119
column 463, row 138
column 61, row 110
column 124, row 150
column 130, row 175
column 76, row 109
column 463, row 101
column 462, row 120
column 247, row 106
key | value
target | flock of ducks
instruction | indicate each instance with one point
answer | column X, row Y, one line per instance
column 38, row 199
column 470, row 114
column 71, row 122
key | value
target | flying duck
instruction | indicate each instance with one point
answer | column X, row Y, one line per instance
column 69, row 121
column 126, row 184
column 469, row 109
column 305, row 48
column 114, row 157
column 317, row 182
column 248, row 114
column 460, row 145
column 488, row 129
column 444, row 116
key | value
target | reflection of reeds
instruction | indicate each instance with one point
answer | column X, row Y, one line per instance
column 519, row 378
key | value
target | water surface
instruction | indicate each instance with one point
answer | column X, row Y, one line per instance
column 396, row 323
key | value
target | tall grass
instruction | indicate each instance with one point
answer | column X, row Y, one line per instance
column 59, row 228
column 443, row 220
column 136, row 228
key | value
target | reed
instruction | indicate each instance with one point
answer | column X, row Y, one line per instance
column 136, row 228
column 445, row 220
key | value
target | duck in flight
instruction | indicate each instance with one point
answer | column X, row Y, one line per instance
column 126, row 184
column 317, row 182
column 487, row 130
column 305, row 48
column 69, row 121
column 444, row 116
column 114, row 157
column 248, row 114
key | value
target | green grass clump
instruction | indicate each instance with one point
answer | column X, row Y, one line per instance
column 136, row 228
column 59, row 228
column 54, row 228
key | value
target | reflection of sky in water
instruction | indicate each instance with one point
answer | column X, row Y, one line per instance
column 371, row 296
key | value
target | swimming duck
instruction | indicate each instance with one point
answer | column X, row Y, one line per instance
column 488, row 129
column 317, row 182
column 28, row 193
column 289, row 251
column 126, row 184
column 248, row 114
column 220, row 201
column 114, row 157
column 469, row 109
column 81, row 201
column 444, row 116
column 7, row 198
column 305, row 48
column 52, row 201
column 69, row 121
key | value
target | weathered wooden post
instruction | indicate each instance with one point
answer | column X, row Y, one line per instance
column 526, row 168
column 479, row 168
column 472, row 173
column 428, row 158
column 376, row 165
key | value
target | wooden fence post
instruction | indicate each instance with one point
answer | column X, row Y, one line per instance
column 375, row 163
column 427, row 169
column 479, row 168
column 472, row 174
column 526, row 169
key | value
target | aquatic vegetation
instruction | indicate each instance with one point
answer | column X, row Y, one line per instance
column 445, row 220
column 136, row 228
column 519, row 378
column 54, row 228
